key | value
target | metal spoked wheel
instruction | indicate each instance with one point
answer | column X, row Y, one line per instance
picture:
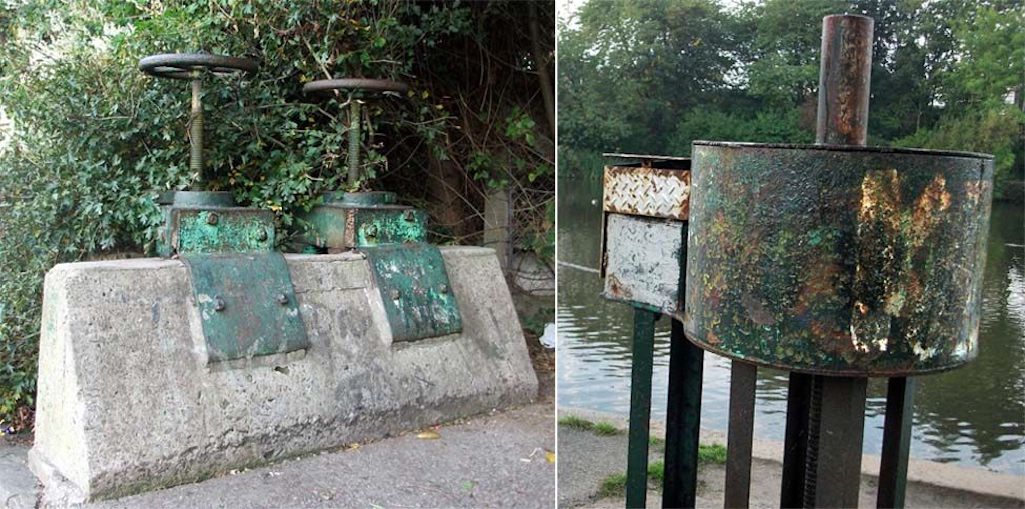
column 355, row 84
column 183, row 66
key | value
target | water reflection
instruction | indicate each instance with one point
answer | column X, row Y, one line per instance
column 971, row 415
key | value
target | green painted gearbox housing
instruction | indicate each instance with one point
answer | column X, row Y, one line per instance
column 241, row 285
column 832, row 260
column 350, row 220
column 409, row 273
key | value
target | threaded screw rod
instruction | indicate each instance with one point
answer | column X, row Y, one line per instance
column 196, row 132
column 354, row 143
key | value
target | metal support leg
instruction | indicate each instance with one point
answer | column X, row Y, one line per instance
column 683, row 420
column 640, row 407
column 796, row 442
column 743, row 380
column 835, row 433
column 893, row 469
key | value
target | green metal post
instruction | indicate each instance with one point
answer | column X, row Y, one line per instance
column 640, row 407
column 683, row 420
column 893, row 468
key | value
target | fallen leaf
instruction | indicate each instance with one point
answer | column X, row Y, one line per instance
column 550, row 456
column 428, row 435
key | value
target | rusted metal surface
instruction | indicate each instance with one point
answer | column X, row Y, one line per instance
column 844, row 78
column 647, row 191
column 247, row 306
column 644, row 261
column 837, row 260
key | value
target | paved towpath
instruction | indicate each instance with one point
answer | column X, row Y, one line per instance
column 498, row 460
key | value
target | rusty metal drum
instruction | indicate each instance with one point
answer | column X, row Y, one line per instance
column 837, row 260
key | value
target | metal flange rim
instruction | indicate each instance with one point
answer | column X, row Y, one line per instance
column 181, row 66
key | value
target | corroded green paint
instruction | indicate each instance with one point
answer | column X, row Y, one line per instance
column 247, row 306
column 220, row 229
column 415, row 288
column 344, row 227
column 837, row 260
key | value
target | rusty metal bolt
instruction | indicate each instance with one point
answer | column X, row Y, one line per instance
column 443, row 289
column 218, row 304
column 211, row 218
column 282, row 299
column 395, row 294
column 262, row 236
column 408, row 215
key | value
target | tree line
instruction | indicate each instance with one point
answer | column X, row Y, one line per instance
column 651, row 76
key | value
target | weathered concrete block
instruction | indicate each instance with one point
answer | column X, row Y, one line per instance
column 127, row 401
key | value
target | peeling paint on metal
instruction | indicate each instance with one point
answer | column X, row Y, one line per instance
column 345, row 227
column 644, row 262
column 254, row 321
column 837, row 260
column 415, row 289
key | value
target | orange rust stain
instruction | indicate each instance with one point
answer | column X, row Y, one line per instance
column 830, row 339
column 712, row 338
column 973, row 191
column 818, row 284
column 927, row 212
column 756, row 310
column 880, row 197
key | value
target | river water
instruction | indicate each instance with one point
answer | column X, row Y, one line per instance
column 972, row 416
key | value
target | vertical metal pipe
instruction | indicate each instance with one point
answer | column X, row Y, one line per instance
column 640, row 407
column 893, row 467
column 835, row 430
column 683, row 420
column 844, row 78
column 196, row 134
column 743, row 382
column 354, row 139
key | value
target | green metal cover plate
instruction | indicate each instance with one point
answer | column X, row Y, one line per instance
column 344, row 227
column 415, row 289
column 216, row 229
column 246, row 304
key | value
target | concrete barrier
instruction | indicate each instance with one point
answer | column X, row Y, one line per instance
column 127, row 401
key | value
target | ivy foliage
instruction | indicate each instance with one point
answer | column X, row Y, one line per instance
column 88, row 140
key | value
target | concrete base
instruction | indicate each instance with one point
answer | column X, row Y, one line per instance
column 127, row 401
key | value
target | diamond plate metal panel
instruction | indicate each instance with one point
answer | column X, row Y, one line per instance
column 644, row 262
column 646, row 191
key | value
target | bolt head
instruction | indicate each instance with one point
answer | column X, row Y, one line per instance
column 218, row 304
column 282, row 299
column 371, row 231
column 395, row 294
column 262, row 236
column 211, row 218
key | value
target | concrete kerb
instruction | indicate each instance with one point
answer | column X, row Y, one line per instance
column 941, row 475
column 128, row 403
